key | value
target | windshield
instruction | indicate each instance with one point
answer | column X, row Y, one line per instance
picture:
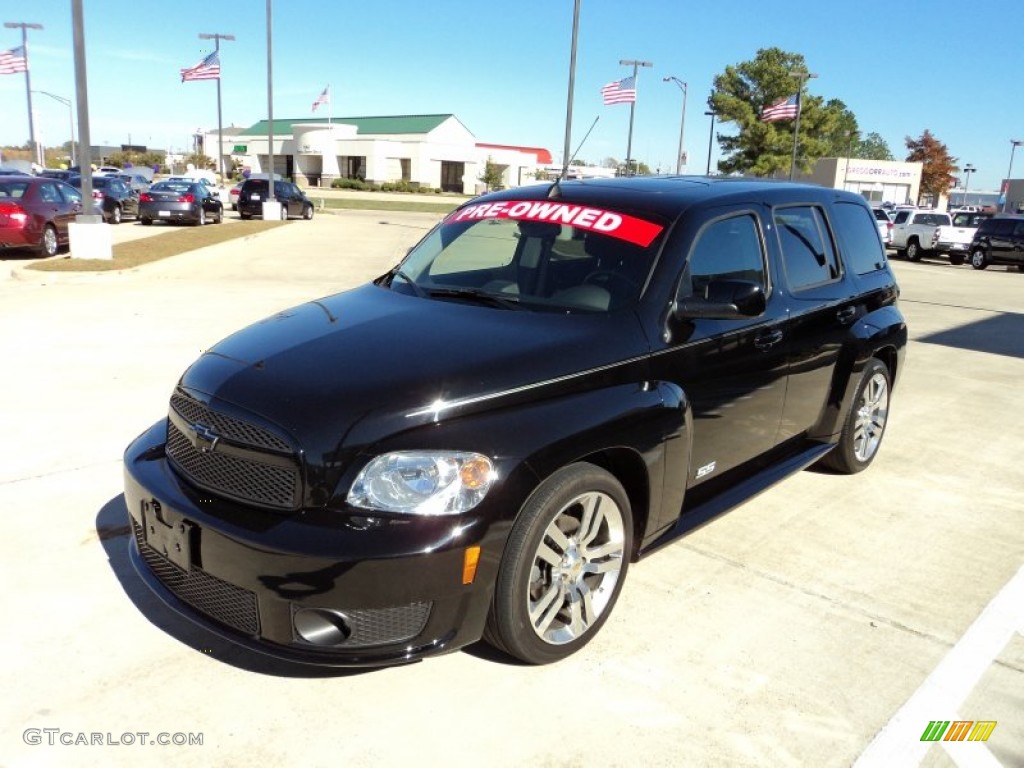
column 538, row 255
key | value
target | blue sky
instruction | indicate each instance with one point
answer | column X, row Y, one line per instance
column 502, row 68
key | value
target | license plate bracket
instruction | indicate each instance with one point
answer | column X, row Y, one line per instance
column 170, row 539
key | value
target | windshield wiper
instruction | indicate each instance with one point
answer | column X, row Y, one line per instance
column 475, row 294
column 397, row 272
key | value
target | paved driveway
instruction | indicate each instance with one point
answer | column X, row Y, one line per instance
column 803, row 628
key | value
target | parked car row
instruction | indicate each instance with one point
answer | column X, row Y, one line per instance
column 35, row 212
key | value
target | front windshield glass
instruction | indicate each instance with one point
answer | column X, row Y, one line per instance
column 540, row 255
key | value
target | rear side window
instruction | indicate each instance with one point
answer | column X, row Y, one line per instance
column 901, row 217
column 858, row 238
column 933, row 219
column 807, row 250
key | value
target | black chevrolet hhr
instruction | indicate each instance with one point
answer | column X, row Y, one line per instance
column 556, row 381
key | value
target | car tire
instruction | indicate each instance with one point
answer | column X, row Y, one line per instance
column 564, row 565
column 48, row 243
column 914, row 252
column 145, row 222
column 220, row 217
column 978, row 259
column 956, row 259
column 115, row 215
column 307, row 212
column 244, row 216
column 865, row 425
column 284, row 212
column 201, row 220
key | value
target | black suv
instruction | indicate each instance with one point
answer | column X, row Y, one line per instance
column 112, row 196
column 254, row 193
column 999, row 240
column 555, row 382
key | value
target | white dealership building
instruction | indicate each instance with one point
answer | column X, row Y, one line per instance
column 435, row 151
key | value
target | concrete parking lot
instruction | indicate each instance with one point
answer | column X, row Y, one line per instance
column 826, row 622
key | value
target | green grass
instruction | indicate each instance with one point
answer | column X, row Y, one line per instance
column 148, row 249
column 360, row 204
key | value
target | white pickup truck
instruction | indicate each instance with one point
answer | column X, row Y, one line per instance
column 913, row 231
column 954, row 240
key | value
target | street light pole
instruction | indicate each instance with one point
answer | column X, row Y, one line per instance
column 37, row 154
column 849, row 152
column 572, row 86
column 217, row 37
column 968, row 169
column 71, row 119
column 682, row 121
column 711, row 134
column 1014, row 143
column 801, row 76
column 632, row 105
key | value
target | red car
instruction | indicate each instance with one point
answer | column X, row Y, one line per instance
column 35, row 211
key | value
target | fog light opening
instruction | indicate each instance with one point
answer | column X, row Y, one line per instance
column 319, row 626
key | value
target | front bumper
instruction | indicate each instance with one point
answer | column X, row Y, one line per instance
column 317, row 586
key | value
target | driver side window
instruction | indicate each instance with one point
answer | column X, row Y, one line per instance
column 727, row 249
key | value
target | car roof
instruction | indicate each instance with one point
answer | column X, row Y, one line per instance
column 669, row 196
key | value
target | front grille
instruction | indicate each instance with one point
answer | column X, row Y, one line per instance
column 244, row 479
column 231, row 605
column 228, row 427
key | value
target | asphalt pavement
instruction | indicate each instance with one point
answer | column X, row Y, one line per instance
column 824, row 623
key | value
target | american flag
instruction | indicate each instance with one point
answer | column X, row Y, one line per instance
column 783, row 109
column 323, row 98
column 13, row 61
column 620, row 92
column 207, row 69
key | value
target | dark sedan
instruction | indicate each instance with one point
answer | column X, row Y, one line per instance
column 112, row 196
column 190, row 202
column 35, row 211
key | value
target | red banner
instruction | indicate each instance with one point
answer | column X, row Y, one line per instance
column 628, row 228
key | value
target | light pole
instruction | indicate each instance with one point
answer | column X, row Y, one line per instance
column 37, row 152
column 217, row 37
column 968, row 169
column 849, row 153
column 801, row 76
column 572, row 86
column 682, row 120
column 1014, row 143
column 71, row 118
column 711, row 135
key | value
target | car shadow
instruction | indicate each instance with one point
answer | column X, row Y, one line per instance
column 1000, row 334
column 114, row 531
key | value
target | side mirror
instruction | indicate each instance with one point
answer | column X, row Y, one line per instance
column 724, row 300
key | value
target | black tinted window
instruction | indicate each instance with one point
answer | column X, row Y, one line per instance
column 806, row 246
column 901, row 217
column 858, row 238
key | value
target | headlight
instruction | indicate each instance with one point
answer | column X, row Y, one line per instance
column 423, row 482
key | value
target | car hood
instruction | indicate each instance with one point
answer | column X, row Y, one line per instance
column 384, row 358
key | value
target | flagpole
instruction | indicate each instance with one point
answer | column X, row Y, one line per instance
column 38, row 156
column 632, row 105
column 217, row 37
column 330, row 105
column 801, row 77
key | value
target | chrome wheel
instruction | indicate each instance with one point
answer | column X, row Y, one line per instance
column 563, row 566
column 575, row 568
column 872, row 412
column 978, row 259
column 49, row 242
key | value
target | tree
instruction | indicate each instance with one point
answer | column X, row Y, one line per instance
column 764, row 149
column 937, row 164
column 492, row 175
column 873, row 147
column 201, row 161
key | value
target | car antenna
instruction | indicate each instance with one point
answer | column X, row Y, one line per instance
column 555, row 191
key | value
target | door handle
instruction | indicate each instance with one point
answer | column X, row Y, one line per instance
column 846, row 315
column 768, row 339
